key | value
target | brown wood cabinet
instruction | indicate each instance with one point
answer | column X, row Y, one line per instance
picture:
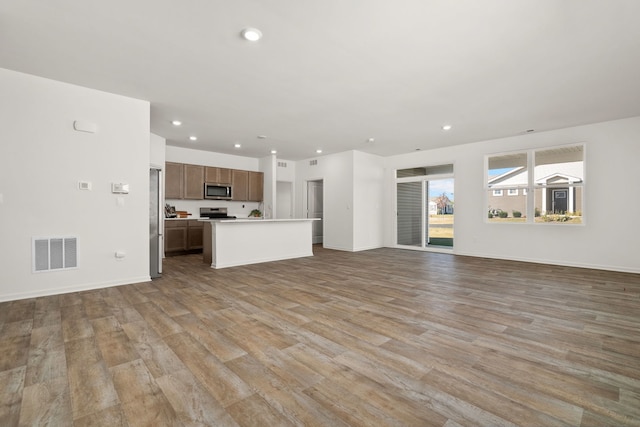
column 174, row 180
column 194, row 234
column 182, row 236
column 256, row 186
column 240, row 183
column 194, row 182
column 217, row 175
column 185, row 181
column 175, row 236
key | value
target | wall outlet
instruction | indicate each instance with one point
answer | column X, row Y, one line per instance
column 84, row 185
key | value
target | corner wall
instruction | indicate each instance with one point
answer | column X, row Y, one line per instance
column 42, row 159
column 610, row 237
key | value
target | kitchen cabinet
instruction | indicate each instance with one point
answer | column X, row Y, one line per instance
column 256, row 186
column 182, row 236
column 174, row 180
column 195, row 229
column 186, row 181
column 240, row 183
column 217, row 175
column 194, row 182
column 175, row 236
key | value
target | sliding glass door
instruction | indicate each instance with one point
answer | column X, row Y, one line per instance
column 425, row 207
column 440, row 213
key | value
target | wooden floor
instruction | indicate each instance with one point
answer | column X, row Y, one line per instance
column 375, row 338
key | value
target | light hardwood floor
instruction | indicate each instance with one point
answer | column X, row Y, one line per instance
column 375, row 338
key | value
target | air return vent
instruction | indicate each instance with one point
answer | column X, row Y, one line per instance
column 54, row 253
column 282, row 164
column 313, row 162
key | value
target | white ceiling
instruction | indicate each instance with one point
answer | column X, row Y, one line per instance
column 331, row 74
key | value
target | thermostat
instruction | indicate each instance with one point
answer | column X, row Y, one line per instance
column 119, row 188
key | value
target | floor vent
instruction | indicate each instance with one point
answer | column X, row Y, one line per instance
column 54, row 253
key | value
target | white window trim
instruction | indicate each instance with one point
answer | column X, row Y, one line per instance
column 529, row 190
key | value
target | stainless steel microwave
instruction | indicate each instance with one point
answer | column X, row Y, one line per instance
column 217, row 191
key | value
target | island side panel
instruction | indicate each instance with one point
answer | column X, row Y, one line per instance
column 240, row 243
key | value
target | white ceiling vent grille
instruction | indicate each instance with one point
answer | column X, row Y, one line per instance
column 313, row 162
column 54, row 253
column 282, row 164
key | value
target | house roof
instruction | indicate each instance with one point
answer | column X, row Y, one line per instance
column 568, row 171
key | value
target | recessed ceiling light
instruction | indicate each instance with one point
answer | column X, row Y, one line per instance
column 371, row 140
column 237, row 145
column 318, row 151
column 193, row 138
column 446, row 127
column 274, row 151
column 251, row 34
column 176, row 122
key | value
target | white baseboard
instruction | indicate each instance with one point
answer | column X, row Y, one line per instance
column 616, row 268
column 70, row 289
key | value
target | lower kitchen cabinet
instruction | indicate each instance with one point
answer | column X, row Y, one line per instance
column 182, row 236
column 194, row 235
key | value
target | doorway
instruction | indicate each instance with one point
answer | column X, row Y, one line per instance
column 315, row 208
column 425, row 207
column 559, row 201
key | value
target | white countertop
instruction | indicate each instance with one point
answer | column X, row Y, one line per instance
column 257, row 220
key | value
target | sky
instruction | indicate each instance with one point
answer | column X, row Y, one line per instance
column 439, row 186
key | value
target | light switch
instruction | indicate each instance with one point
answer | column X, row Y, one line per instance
column 120, row 187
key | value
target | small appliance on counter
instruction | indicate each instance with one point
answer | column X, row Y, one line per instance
column 171, row 212
column 215, row 213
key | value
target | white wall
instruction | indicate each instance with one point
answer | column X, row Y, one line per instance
column 208, row 158
column 158, row 151
column 368, row 203
column 336, row 170
column 42, row 158
column 610, row 237
column 268, row 167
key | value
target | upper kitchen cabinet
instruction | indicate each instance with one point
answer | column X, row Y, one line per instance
column 217, row 175
column 240, row 183
column 174, row 180
column 256, row 186
column 193, row 182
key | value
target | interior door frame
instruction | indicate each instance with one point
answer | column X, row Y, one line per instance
column 319, row 223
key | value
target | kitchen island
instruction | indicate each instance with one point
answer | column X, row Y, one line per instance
column 229, row 243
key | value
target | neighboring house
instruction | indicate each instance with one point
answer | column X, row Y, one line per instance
column 435, row 210
column 555, row 190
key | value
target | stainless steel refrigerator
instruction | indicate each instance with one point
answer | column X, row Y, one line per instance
column 156, row 223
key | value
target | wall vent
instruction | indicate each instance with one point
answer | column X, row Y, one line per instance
column 54, row 253
column 313, row 162
column 282, row 164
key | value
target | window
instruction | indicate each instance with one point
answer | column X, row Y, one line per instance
column 507, row 173
column 551, row 180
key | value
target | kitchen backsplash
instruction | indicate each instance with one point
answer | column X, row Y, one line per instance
column 239, row 209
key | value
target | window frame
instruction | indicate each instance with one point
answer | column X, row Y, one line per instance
column 529, row 190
